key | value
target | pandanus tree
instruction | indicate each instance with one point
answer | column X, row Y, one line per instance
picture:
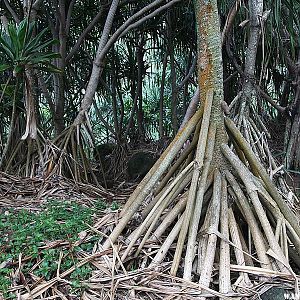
column 24, row 53
column 253, row 105
column 290, row 86
column 195, row 201
column 78, row 137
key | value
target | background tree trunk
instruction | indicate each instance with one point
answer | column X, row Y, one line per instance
column 161, row 96
column 97, row 66
column 248, row 91
column 292, row 156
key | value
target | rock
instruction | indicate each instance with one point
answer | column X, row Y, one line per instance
column 274, row 293
column 139, row 164
column 103, row 150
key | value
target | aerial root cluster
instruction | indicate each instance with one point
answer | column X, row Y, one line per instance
column 251, row 126
column 63, row 156
column 222, row 225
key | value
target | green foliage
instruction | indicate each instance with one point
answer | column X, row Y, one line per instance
column 8, row 90
column 115, row 205
column 19, row 48
column 283, row 23
column 27, row 233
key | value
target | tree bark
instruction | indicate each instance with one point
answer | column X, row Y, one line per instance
column 115, row 106
column 139, row 108
column 292, row 157
column 191, row 108
column 210, row 71
column 30, row 105
column 249, row 92
column 97, row 66
column 161, row 96
column 174, row 94
column 60, row 87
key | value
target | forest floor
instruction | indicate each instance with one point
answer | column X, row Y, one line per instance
column 47, row 230
column 50, row 247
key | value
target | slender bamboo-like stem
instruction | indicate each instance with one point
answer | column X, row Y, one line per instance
column 248, row 136
column 253, row 142
column 169, row 219
column 268, row 230
column 170, row 195
column 193, row 230
column 248, row 258
column 276, row 213
column 278, row 229
column 284, row 241
column 256, row 165
column 295, row 240
column 167, row 243
column 243, row 279
column 245, row 176
column 178, row 208
column 202, row 244
column 193, row 189
column 257, row 139
column 186, row 181
column 193, row 103
column 180, row 160
column 212, row 238
column 224, row 272
column 239, row 152
column 251, row 221
column 156, row 211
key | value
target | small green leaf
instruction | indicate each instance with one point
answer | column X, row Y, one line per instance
column 21, row 32
column 32, row 44
column 18, row 69
column 6, row 48
column 12, row 31
column 43, row 57
column 4, row 67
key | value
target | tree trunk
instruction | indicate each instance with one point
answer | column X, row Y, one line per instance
column 30, row 105
column 30, row 97
column 141, row 73
column 115, row 106
column 58, row 117
column 248, row 90
column 174, row 95
column 292, row 156
column 97, row 66
column 161, row 96
column 186, row 84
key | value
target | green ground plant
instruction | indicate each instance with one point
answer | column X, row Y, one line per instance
column 25, row 233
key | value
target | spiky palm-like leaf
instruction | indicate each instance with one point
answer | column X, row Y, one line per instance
column 19, row 48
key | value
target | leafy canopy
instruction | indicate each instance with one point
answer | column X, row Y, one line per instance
column 19, row 48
